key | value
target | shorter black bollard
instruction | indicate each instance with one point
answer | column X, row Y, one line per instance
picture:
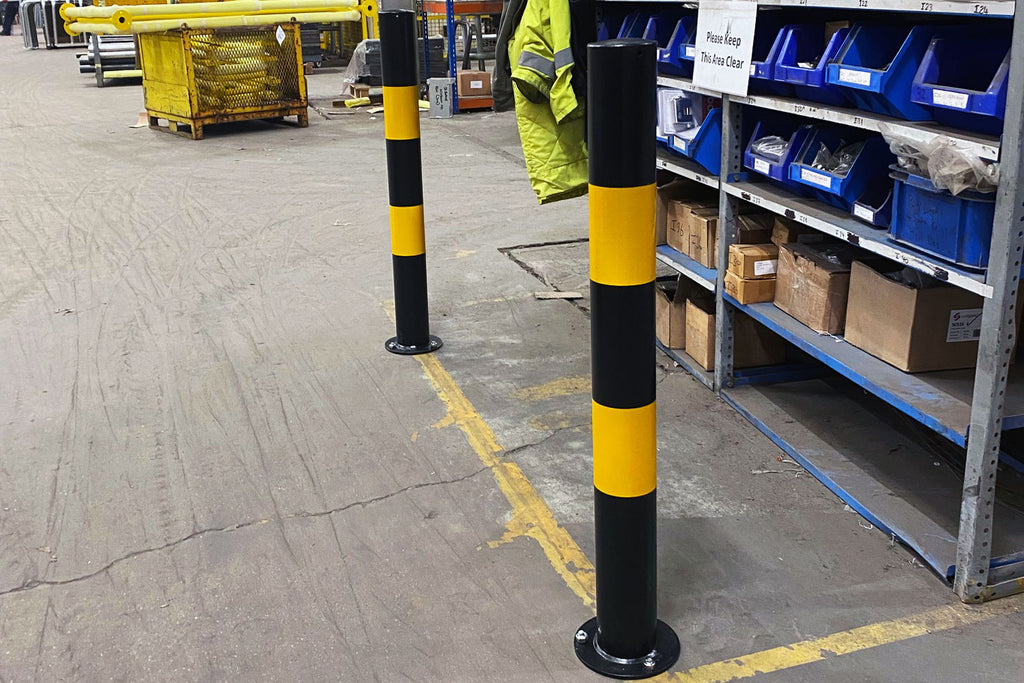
column 405, row 183
column 625, row 639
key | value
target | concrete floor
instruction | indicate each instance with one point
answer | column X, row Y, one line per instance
column 210, row 469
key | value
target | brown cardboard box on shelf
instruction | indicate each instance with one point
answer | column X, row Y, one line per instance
column 670, row 310
column 749, row 291
column 812, row 287
column 704, row 236
column 680, row 224
column 754, row 228
column 915, row 330
column 474, row 83
column 753, row 344
column 677, row 189
column 785, row 231
column 754, row 261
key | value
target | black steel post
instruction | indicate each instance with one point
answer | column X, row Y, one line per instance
column 625, row 639
column 405, row 183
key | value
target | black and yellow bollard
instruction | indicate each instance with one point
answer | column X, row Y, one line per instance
column 405, row 183
column 625, row 640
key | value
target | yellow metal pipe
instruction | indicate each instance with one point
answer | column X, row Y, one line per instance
column 70, row 11
column 124, row 21
column 231, row 21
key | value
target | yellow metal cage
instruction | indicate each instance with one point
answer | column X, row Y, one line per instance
column 195, row 77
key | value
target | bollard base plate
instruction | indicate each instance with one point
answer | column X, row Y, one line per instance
column 659, row 660
column 393, row 346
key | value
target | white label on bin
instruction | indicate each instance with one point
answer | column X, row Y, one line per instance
column 853, row 76
column 769, row 267
column 279, row 34
column 964, row 325
column 946, row 98
column 863, row 212
column 690, row 51
column 762, row 166
column 815, row 178
column 476, row 84
column 753, row 69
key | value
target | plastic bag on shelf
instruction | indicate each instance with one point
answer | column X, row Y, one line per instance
column 914, row 278
column 940, row 159
column 771, row 146
column 839, row 163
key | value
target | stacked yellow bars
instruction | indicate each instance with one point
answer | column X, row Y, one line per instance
column 232, row 13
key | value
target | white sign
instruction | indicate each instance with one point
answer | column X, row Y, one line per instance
column 863, row 212
column 855, row 77
column 815, row 178
column 964, row 325
column 725, row 42
column 762, row 166
column 769, row 267
column 280, row 35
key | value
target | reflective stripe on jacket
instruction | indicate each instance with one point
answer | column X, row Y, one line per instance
column 551, row 120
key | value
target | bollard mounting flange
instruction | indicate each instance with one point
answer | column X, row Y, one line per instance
column 393, row 346
column 658, row 660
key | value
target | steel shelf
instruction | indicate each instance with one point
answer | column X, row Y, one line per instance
column 681, row 263
column 687, row 362
column 999, row 8
column 844, row 226
column 939, row 400
column 685, row 84
column 685, row 167
column 985, row 146
column 877, row 464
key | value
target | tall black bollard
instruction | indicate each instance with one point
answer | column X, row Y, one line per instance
column 405, row 183
column 625, row 640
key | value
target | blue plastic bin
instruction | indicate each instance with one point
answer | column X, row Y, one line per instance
column 874, row 206
column 704, row 143
column 670, row 56
column 957, row 229
column 841, row 190
column 803, row 43
column 762, row 63
column 633, row 25
column 777, row 169
column 963, row 79
column 876, row 66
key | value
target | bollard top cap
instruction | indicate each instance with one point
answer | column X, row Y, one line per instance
column 619, row 43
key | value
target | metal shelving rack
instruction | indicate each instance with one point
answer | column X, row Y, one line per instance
column 950, row 521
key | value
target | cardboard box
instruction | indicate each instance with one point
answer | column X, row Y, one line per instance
column 754, row 228
column 753, row 344
column 679, row 189
column 474, row 83
column 811, row 287
column 915, row 330
column 679, row 223
column 749, row 291
column 785, row 231
column 703, row 227
column 754, row 261
column 670, row 311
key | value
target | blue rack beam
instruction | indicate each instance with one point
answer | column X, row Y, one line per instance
column 939, row 400
column 681, row 263
column 880, row 472
column 689, row 364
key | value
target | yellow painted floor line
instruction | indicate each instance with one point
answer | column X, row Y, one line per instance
column 847, row 642
column 564, row 386
column 531, row 516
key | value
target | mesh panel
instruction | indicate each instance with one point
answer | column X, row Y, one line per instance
column 245, row 67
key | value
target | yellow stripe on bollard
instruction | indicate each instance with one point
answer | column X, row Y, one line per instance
column 407, row 234
column 625, row 450
column 622, row 256
column 401, row 112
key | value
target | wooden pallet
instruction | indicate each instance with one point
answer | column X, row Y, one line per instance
column 194, row 129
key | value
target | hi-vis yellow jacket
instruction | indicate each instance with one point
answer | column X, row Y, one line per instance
column 551, row 120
